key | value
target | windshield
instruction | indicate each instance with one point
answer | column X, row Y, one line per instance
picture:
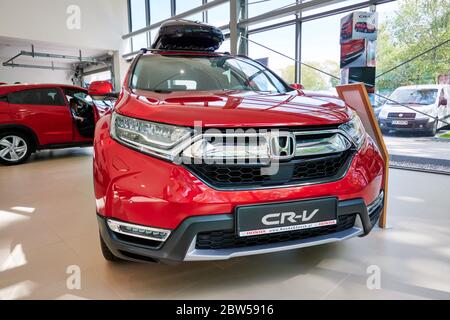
column 81, row 95
column 181, row 73
column 414, row 96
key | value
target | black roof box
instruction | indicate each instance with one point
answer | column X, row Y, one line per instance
column 188, row 35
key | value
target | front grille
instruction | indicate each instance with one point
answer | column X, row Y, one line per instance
column 405, row 115
column 228, row 239
column 313, row 169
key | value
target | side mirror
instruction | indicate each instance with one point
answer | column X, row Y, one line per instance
column 100, row 90
column 297, row 86
column 442, row 101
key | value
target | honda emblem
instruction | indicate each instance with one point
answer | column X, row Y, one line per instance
column 282, row 146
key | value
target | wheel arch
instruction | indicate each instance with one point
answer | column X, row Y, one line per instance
column 22, row 129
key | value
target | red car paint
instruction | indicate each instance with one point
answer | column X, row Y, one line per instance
column 347, row 29
column 365, row 27
column 47, row 126
column 352, row 50
column 137, row 188
column 100, row 87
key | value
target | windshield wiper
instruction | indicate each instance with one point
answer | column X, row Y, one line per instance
column 161, row 91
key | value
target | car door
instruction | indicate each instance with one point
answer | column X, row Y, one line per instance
column 440, row 109
column 44, row 111
column 446, row 108
column 83, row 97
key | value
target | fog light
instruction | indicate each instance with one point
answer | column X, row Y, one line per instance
column 138, row 231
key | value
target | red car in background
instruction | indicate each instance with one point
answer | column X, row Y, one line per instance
column 44, row 116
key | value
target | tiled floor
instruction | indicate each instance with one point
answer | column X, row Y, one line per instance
column 47, row 224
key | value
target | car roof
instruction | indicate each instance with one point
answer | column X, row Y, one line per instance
column 186, row 53
column 26, row 86
column 425, row 86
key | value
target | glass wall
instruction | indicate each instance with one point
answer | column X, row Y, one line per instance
column 185, row 5
column 138, row 21
column 276, row 39
column 146, row 12
column 321, row 49
column 256, row 8
column 413, row 68
column 160, row 10
column 220, row 15
column 332, row 6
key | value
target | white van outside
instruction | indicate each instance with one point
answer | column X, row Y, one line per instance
column 433, row 100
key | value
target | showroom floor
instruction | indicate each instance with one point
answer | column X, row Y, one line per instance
column 47, row 224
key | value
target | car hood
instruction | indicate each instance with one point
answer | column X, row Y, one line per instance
column 234, row 108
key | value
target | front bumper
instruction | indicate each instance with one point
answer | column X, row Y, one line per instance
column 181, row 245
column 413, row 124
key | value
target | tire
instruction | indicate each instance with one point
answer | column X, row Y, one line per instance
column 433, row 130
column 107, row 254
column 15, row 148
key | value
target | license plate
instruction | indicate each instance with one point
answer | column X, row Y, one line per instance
column 288, row 216
column 400, row 122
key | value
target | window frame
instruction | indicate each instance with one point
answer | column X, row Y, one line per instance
column 173, row 9
column 130, row 21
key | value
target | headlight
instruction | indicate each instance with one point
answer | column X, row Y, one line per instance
column 149, row 137
column 355, row 129
column 383, row 113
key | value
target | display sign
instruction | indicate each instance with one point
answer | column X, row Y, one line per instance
column 358, row 48
column 365, row 75
column 359, row 25
column 358, row 53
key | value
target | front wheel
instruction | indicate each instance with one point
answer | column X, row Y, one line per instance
column 433, row 130
column 107, row 254
column 385, row 132
column 15, row 148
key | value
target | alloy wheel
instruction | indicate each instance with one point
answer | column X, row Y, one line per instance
column 13, row 148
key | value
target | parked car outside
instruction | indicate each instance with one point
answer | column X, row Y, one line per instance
column 419, row 108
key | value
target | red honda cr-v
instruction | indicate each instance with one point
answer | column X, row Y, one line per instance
column 210, row 156
column 46, row 116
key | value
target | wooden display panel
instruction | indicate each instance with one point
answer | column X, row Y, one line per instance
column 355, row 96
